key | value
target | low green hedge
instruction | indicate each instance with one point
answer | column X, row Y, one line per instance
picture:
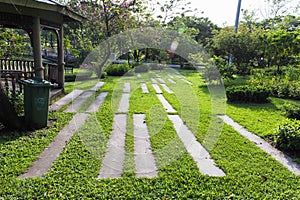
column 117, row 69
column 247, row 94
column 288, row 135
column 291, row 111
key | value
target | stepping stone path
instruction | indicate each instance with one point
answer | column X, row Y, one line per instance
column 200, row 155
column 65, row 100
column 46, row 159
column 144, row 159
column 171, row 80
column 157, row 75
column 172, row 77
column 265, row 146
column 139, row 75
column 144, row 88
column 168, row 90
column 77, row 103
column 161, row 80
column 97, row 86
column 126, row 88
column 166, row 104
column 112, row 164
column 94, row 107
column 154, row 81
column 157, row 89
column 124, row 103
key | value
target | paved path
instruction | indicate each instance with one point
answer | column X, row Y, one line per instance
column 154, row 80
column 262, row 144
column 168, row 107
column 65, row 100
column 168, row 90
column 97, row 86
column 144, row 159
column 124, row 103
column 161, row 80
column 144, row 88
column 77, row 103
column 46, row 159
column 126, row 88
column 157, row 88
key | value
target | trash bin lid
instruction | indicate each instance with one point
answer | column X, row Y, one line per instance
column 36, row 82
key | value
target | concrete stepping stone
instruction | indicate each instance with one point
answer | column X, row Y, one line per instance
column 77, row 103
column 157, row 75
column 139, row 75
column 157, row 88
column 144, row 88
column 124, row 103
column 168, row 90
column 166, row 104
column 172, row 77
column 94, row 107
column 186, row 81
column 171, row 80
column 199, row 154
column 154, row 81
column 46, row 159
column 65, row 100
column 161, row 80
column 265, row 146
column 97, row 86
column 144, row 159
column 112, row 164
column 126, row 88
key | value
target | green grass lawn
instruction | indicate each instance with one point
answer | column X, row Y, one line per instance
column 250, row 172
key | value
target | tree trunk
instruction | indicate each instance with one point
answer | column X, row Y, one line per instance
column 8, row 115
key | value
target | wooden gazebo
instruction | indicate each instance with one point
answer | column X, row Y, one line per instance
column 34, row 16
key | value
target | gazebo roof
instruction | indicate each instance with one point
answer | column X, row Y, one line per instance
column 50, row 12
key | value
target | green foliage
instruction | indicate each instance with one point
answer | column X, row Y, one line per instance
column 288, row 135
column 226, row 70
column 291, row 111
column 117, row 69
column 247, row 94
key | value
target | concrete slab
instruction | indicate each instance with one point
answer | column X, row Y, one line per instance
column 199, row 154
column 46, row 159
column 161, row 80
column 112, row 164
column 157, row 75
column 65, row 100
column 144, row 159
column 284, row 159
column 144, row 88
column 124, row 103
column 171, row 80
column 157, row 88
column 94, row 107
column 168, row 107
column 184, row 80
column 126, row 88
column 154, row 81
column 139, row 75
column 77, row 103
column 168, row 90
column 97, row 86
column 172, row 77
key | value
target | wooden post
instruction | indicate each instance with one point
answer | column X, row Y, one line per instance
column 38, row 66
column 61, row 64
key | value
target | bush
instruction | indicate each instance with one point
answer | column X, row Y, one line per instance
column 117, row 69
column 141, row 68
column 247, row 94
column 188, row 66
column 288, row 135
column 291, row 111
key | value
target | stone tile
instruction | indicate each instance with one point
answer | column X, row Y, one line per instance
column 154, row 81
column 184, row 80
column 157, row 88
column 168, row 107
column 168, row 90
column 124, row 103
column 126, row 88
column 144, row 159
column 199, row 154
column 172, row 77
column 112, row 164
column 265, row 146
column 139, row 75
column 77, row 103
column 65, row 100
column 161, row 80
column 97, row 86
column 157, row 75
column 46, row 159
column 144, row 88
column 171, row 80
column 94, row 107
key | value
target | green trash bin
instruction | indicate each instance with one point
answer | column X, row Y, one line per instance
column 36, row 102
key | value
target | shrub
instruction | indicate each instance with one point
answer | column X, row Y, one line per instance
column 247, row 94
column 142, row 68
column 117, row 69
column 188, row 66
column 291, row 111
column 288, row 135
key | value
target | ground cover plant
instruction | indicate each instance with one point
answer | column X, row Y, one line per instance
column 250, row 172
